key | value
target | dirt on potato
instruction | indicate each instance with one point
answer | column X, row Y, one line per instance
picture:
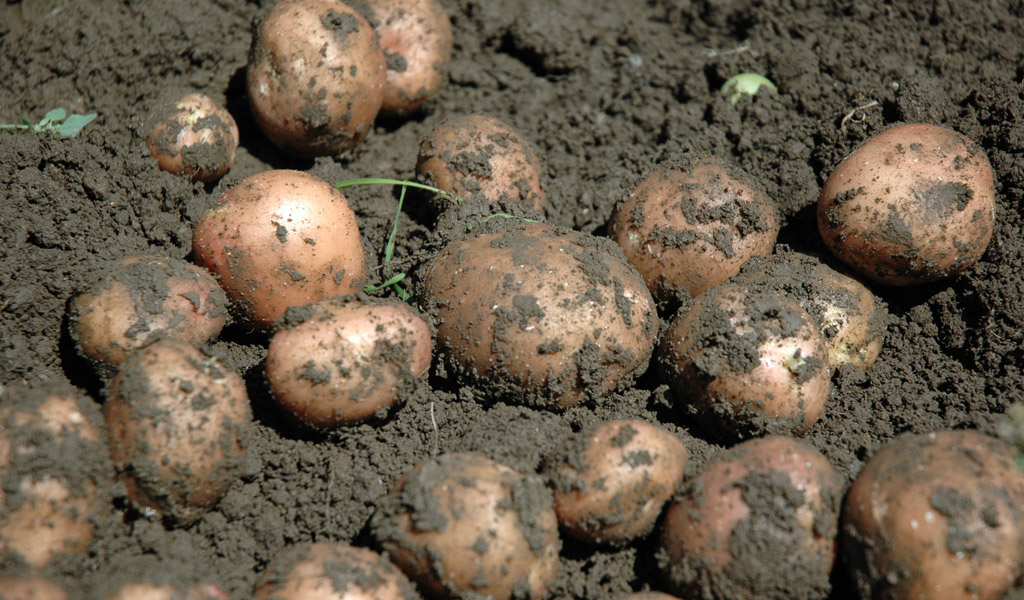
column 605, row 90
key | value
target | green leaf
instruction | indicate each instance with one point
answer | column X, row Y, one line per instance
column 56, row 114
column 74, row 124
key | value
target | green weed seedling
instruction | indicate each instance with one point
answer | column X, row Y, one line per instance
column 56, row 121
column 745, row 83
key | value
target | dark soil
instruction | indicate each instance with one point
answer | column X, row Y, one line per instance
column 606, row 90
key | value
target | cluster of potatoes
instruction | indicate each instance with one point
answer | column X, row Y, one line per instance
column 531, row 313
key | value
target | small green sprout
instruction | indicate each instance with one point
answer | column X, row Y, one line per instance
column 1012, row 430
column 56, row 121
column 745, row 83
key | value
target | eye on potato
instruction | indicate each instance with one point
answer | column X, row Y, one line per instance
column 760, row 521
column 179, row 424
column 936, row 515
column 55, row 472
column 130, row 302
column 280, row 239
column 193, row 136
column 690, row 225
column 538, row 314
column 315, row 77
column 915, row 203
column 748, row 362
column 462, row 526
column 611, row 482
column 344, row 359
column 474, row 156
column 323, row 571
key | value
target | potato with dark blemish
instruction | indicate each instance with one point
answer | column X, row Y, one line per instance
column 690, row 225
column 611, row 482
column 345, row 359
column 315, row 77
column 464, row 526
column 280, row 239
column 325, row 571
column 746, row 363
column 760, row 521
column 192, row 135
column 915, row 203
column 480, row 156
column 936, row 516
column 537, row 314
column 179, row 423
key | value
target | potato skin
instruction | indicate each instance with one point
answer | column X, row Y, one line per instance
column 192, row 135
column 462, row 525
column 915, row 203
column 345, row 358
column 611, row 482
column 475, row 156
column 760, row 521
column 129, row 303
column 179, row 423
column 690, row 225
column 538, row 314
column 315, row 77
column 30, row 587
column 936, row 515
column 152, row 591
column 279, row 239
column 749, row 363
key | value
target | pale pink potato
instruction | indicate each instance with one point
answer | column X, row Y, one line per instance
column 30, row 587
column 194, row 136
column 324, row 571
column 167, row 591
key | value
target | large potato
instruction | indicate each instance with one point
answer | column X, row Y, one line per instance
column 936, row 516
column 539, row 314
column 914, row 203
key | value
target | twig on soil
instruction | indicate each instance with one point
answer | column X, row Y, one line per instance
column 712, row 52
column 848, row 117
column 433, row 423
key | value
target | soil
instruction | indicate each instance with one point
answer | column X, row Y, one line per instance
column 606, row 90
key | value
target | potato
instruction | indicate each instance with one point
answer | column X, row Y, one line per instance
column 651, row 595
column 280, row 239
column 315, row 76
column 131, row 302
column 343, row 360
column 462, row 526
column 760, row 521
column 611, row 482
column 55, row 472
column 30, row 587
column 539, row 315
column 179, row 423
column 914, row 203
column 323, row 571
column 152, row 591
column 193, row 136
column 748, row 363
column 851, row 319
column 475, row 156
column 690, row 225
column 936, row 515
column 416, row 36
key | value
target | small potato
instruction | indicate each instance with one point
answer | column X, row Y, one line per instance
column 30, row 587
column 936, row 516
column 691, row 224
column 760, row 521
column 55, row 472
column 749, row 362
column 131, row 302
column 479, row 156
column 538, row 314
column 280, row 239
column 648, row 596
column 324, row 571
column 316, row 76
column 914, row 203
column 166, row 591
column 416, row 36
column 464, row 526
column 343, row 360
column 179, row 423
column 193, row 136
column 611, row 482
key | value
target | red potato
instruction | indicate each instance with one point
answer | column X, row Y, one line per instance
column 324, row 571
column 193, row 136
column 343, row 360
column 690, row 225
column 760, row 521
column 915, row 203
column 30, row 587
column 316, row 76
column 936, row 516
column 280, row 239
column 166, row 591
